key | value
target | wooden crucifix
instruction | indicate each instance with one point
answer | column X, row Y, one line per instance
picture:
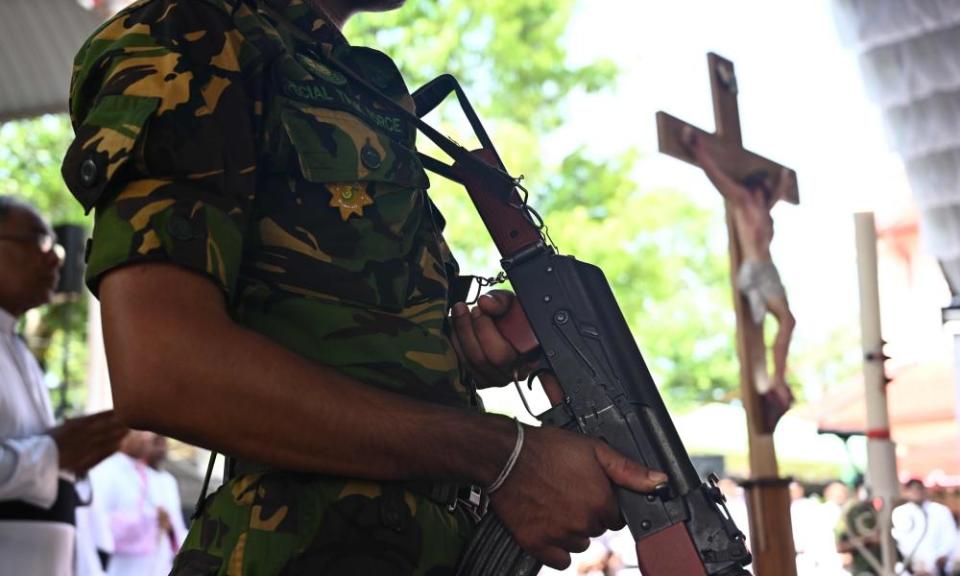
column 767, row 495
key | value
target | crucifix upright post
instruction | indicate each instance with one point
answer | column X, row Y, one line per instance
column 767, row 494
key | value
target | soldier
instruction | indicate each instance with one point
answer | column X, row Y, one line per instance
column 274, row 284
column 757, row 279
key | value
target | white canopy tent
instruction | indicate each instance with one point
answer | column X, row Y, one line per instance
column 908, row 53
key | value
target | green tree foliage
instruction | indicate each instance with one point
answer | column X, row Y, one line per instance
column 510, row 53
column 30, row 156
column 664, row 256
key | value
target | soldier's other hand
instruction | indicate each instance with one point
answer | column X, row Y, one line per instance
column 85, row 441
column 561, row 493
column 491, row 357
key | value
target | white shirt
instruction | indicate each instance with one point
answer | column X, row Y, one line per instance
column 29, row 462
column 927, row 533
column 93, row 533
column 165, row 494
column 814, row 537
column 28, row 457
column 131, row 494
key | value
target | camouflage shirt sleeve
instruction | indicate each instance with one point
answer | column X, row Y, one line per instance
column 165, row 139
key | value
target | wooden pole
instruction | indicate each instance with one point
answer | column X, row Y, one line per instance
column 767, row 494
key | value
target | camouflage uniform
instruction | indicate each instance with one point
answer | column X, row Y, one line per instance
column 213, row 134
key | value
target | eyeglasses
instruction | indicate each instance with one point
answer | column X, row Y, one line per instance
column 44, row 241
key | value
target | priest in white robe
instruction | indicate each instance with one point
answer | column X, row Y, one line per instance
column 925, row 531
column 38, row 461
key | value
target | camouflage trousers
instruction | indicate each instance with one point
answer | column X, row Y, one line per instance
column 283, row 523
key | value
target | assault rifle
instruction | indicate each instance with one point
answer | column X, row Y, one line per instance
column 683, row 529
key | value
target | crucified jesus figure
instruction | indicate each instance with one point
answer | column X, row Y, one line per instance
column 757, row 279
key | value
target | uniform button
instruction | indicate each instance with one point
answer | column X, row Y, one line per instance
column 370, row 157
column 180, row 228
column 392, row 518
column 89, row 173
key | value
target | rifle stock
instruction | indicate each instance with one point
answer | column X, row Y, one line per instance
column 681, row 530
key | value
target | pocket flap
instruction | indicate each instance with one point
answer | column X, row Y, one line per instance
column 337, row 146
column 104, row 142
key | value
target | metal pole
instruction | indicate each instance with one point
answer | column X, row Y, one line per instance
column 881, row 454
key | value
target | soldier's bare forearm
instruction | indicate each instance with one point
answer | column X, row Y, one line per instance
column 181, row 366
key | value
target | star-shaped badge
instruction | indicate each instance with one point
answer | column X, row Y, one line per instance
column 350, row 198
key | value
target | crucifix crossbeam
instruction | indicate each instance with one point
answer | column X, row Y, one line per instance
column 767, row 496
column 726, row 144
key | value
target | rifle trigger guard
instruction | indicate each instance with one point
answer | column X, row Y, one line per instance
column 523, row 398
column 541, row 366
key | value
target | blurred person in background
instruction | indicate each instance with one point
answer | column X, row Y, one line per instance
column 925, row 531
column 857, row 533
column 94, row 539
column 165, row 494
column 141, row 526
column 835, row 498
column 39, row 461
column 803, row 519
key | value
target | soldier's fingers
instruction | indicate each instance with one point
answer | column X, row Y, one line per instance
column 455, row 341
column 576, row 544
column 496, row 348
column 615, row 524
column 625, row 472
column 470, row 345
column 496, row 302
column 463, row 324
column 609, row 516
column 554, row 557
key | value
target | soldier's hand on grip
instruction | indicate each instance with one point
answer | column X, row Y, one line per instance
column 492, row 359
column 561, row 493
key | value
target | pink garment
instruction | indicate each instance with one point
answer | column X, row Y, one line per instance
column 136, row 531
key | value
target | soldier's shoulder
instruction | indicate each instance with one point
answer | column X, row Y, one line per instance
column 226, row 6
column 142, row 16
column 161, row 39
column 196, row 30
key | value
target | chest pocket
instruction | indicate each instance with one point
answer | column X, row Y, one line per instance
column 342, row 209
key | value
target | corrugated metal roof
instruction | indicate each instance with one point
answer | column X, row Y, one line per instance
column 38, row 39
